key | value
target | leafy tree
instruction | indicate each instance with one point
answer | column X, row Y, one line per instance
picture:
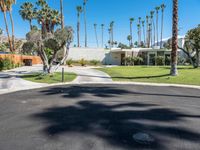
column 28, row 48
column 129, row 37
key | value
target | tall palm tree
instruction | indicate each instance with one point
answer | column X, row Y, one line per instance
column 79, row 11
column 157, row 12
column 131, row 31
column 9, row 4
column 144, row 32
column 85, row 21
column 163, row 6
column 147, row 31
column 140, row 35
column 152, row 24
column 102, row 35
column 3, row 7
column 95, row 31
column 174, row 71
column 27, row 12
column 149, row 34
column 112, row 33
column 110, row 37
column 129, row 39
column 62, row 16
column 138, row 27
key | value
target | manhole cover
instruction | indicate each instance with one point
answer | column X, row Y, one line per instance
column 143, row 138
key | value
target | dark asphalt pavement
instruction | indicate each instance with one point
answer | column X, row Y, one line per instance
column 100, row 117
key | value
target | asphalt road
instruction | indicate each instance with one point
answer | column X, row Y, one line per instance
column 100, row 117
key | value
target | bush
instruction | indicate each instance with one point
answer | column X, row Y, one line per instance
column 95, row 62
column 131, row 61
column 138, row 60
column 69, row 62
column 83, row 62
column 6, row 64
column 160, row 61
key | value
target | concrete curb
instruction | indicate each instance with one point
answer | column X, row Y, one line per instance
column 105, row 83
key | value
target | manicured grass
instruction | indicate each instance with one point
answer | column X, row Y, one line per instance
column 50, row 79
column 187, row 75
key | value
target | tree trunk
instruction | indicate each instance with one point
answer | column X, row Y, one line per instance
column 197, row 57
column 7, row 31
column 95, row 30
column 13, row 34
column 85, row 23
column 78, row 31
column 30, row 22
column 62, row 17
column 174, row 71
column 157, row 26
column 131, row 33
column 161, row 40
column 102, row 38
column 144, row 35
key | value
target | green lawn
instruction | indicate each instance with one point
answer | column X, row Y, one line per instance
column 50, row 79
column 187, row 75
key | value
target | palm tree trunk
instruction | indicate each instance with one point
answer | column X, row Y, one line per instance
column 78, row 31
column 7, row 31
column 30, row 22
column 154, row 35
column 131, row 33
column 157, row 26
column 13, row 36
column 102, row 36
column 62, row 17
column 174, row 71
column 85, row 23
column 161, row 36
column 95, row 30
column 144, row 36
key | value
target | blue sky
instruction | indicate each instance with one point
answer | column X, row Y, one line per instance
column 105, row 11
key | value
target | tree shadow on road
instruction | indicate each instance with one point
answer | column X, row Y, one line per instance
column 116, row 123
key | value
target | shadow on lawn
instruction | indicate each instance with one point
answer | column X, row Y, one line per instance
column 114, row 123
column 143, row 77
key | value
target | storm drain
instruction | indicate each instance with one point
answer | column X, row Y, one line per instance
column 143, row 138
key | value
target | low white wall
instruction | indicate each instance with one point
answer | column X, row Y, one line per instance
column 87, row 54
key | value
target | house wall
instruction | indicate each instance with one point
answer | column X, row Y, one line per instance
column 18, row 59
column 113, row 59
column 87, row 53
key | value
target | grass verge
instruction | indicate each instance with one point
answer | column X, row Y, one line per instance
column 187, row 75
column 50, row 79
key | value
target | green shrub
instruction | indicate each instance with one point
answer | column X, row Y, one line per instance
column 95, row 62
column 160, row 61
column 138, row 60
column 6, row 64
column 82, row 62
column 1, row 64
column 69, row 62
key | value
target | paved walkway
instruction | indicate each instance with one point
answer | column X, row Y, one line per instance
column 10, row 81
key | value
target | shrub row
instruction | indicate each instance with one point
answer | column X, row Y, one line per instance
column 131, row 61
column 7, row 64
column 83, row 62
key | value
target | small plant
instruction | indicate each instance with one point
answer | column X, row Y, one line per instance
column 70, row 62
column 138, row 60
column 83, row 62
column 160, row 61
column 1, row 64
column 95, row 62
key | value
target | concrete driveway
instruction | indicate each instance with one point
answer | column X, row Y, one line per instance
column 10, row 81
column 100, row 117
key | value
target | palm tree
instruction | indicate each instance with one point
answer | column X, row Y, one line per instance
column 85, row 21
column 27, row 12
column 62, row 16
column 157, row 12
column 147, row 31
column 140, row 38
column 144, row 32
column 138, row 27
column 131, row 30
column 79, row 11
column 3, row 7
column 129, row 38
column 110, row 38
column 112, row 33
column 174, row 71
column 163, row 6
column 152, row 24
column 149, row 34
column 95, row 31
column 102, row 34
